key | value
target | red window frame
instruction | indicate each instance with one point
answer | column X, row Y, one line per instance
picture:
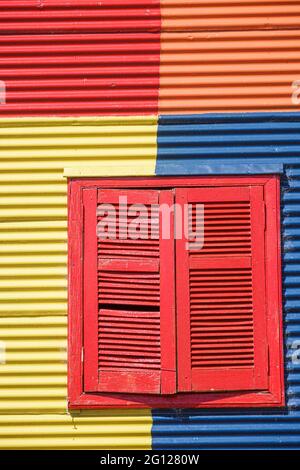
column 78, row 398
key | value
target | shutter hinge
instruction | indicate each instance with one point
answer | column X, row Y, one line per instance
column 82, row 354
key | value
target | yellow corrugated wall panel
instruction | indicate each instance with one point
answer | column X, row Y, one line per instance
column 33, row 364
column 33, row 275
column 115, row 429
column 33, row 196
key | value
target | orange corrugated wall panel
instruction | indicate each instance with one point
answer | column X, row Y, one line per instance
column 228, row 71
column 203, row 15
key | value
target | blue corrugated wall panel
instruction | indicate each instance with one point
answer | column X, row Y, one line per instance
column 194, row 144
column 208, row 144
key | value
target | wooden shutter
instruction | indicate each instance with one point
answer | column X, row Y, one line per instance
column 129, row 326
column 222, row 344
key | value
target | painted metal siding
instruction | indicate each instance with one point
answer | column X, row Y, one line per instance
column 65, row 16
column 186, row 144
column 33, row 273
column 228, row 71
column 80, row 74
column 79, row 58
column 231, row 15
column 114, row 431
column 203, row 144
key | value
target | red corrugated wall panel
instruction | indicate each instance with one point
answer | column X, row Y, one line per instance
column 74, row 74
column 76, row 57
column 65, row 16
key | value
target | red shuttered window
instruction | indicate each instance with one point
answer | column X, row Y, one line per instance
column 129, row 339
column 161, row 319
column 222, row 309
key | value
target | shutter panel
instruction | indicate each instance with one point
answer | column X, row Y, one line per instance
column 221, row 293
column 129, row 319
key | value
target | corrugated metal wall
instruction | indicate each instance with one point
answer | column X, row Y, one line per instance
column 80, row 74
column 33, row 275
column 202, row 144
column 228, row 71
column 187, row 143
column 240, row 62
column 78, row 71
column 200, row 15
column 82, row 16
column 84, row 57
column 77, row 58
column 228, row 56
column 112, row 430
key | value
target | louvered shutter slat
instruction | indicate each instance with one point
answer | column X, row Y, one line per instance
column 220, row 293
